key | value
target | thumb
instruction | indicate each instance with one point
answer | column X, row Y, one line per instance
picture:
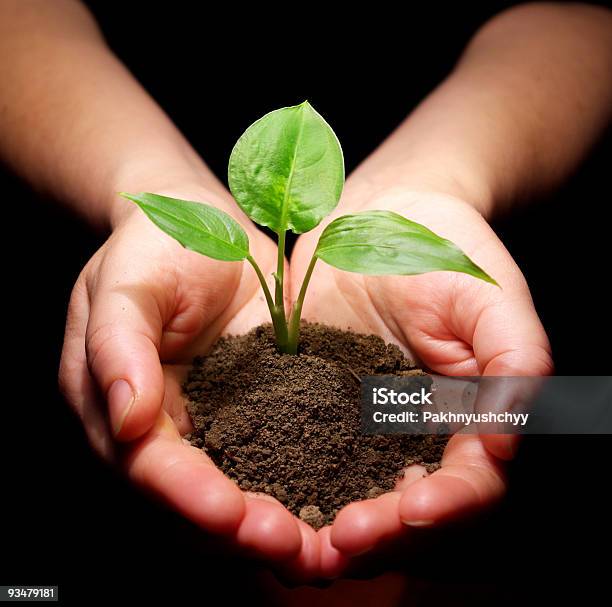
column 122, row 341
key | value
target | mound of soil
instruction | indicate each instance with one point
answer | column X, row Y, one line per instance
column 289, row 426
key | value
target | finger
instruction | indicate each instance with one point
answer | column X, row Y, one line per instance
column 122, row 341
column 509, row 340
column 411, row 474
column 503, row 446
column 333, row 562
column 500, row 395
column 361, row 526
column 75, row 381
column 184, row 478
column 175, row 402
column 268, row 529
column 469, row 480
column 305, row 567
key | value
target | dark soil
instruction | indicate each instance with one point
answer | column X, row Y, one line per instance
column 289, row 426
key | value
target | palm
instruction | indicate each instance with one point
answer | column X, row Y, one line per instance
column 211, row 298
column 420, row 313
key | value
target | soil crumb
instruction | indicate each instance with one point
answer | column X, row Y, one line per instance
column 289, row 426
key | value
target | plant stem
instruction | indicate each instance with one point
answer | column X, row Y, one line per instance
column 296, row 312
column 279, row 277
column 279, row 320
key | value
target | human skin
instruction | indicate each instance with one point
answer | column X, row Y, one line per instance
column 486, row 139
column 143, row 305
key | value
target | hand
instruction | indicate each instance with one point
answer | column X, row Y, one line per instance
column 141, row 309
column 455, row 325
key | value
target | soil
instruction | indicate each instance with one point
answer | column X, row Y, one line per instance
column 289, row 426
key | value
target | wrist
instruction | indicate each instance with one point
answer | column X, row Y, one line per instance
column 367, row 191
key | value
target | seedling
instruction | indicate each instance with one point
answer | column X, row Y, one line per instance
column 286, row 172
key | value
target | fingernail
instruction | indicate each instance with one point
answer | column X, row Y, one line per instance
column 120, row 401
column 418, row 523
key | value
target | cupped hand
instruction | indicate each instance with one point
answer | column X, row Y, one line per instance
column 455, row 325
column 140, row 310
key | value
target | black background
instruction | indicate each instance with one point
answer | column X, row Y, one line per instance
column 66, row 519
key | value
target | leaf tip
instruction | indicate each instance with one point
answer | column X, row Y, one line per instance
column 484, row 276
column 128, row 196
column 305, row 105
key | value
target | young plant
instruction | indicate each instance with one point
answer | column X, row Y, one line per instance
column 286, row 172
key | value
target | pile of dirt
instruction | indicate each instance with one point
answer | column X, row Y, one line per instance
column 289, row 426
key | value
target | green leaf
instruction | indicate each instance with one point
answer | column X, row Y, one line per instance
column 287, row 171
column 383, row 242
column 197, row 226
